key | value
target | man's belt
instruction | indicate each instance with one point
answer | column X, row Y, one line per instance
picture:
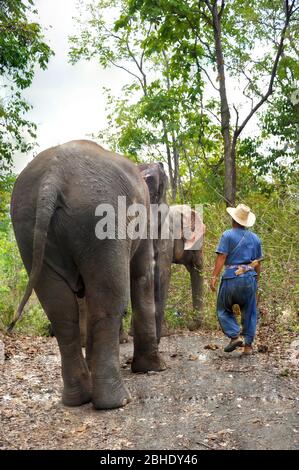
column 243, row 268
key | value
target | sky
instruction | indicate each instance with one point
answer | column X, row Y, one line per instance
column 67, row 100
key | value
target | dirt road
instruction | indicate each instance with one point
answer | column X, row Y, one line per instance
column 205, row 400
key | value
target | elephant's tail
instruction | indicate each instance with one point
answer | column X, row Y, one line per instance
column 45, row 208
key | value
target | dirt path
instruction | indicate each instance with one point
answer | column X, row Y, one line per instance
column 205, row 399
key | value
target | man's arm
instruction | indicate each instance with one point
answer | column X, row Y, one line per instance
column 219, row 263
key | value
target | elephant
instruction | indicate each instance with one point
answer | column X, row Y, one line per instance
column 54, row 214
column 178, row 249
column 156, row 181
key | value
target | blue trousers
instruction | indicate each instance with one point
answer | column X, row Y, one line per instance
column 242, row 291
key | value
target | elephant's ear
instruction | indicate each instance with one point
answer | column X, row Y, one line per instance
column 195, row 240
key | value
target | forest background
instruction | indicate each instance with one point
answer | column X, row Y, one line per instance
column 210, row 88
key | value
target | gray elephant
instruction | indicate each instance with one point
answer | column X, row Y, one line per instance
column 185, row 249
column 178, row 248
column 175, row 246
column 53, row 211
column 156, row 181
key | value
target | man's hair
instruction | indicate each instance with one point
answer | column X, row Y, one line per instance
column 237, row 223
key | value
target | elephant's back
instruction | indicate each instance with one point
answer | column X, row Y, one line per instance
column 98, row 175
column 86, row 175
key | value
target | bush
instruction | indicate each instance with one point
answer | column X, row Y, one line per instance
column 13, row 277
column 13, row 280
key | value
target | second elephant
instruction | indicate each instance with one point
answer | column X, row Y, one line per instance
column 185, row 250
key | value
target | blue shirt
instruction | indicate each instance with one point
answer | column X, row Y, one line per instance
column 241, row 247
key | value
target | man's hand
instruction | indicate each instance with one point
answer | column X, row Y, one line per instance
column 213, row 283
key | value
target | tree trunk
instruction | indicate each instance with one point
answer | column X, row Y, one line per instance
column 169, row 162
column 229, row 156
column 176, row 156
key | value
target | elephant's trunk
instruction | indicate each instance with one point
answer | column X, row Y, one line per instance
column 197, row 287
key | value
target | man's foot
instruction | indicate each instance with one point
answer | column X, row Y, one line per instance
column 233, row 344
column 247, row 351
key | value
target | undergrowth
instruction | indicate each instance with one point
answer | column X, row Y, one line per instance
column 277, row 226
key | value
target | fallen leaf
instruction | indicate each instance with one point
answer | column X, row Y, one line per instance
column 211, row 346
column 223, row 444
column 193, row 357
column 82, row 428
column 225, row 431
column 256, row 420
column 262, row 348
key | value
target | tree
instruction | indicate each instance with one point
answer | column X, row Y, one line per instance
column 230, row 34
column 156, row 116
column 186, row 58
column 22, row 47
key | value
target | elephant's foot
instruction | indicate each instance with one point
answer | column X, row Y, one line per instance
column 109, row 393
column 146, row 363
column 77, row 394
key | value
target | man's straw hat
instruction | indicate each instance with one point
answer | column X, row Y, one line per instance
column 242, row 214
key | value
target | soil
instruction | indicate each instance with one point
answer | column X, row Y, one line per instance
column 206, row 399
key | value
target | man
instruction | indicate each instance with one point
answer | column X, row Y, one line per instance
column 240, row 251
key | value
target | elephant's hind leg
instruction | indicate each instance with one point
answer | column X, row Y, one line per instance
column 61, row 307
column 146, row 356
column 106, row 300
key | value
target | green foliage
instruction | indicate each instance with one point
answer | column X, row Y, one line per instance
column 13, row 277
column 158, row 115
column 170, row 109
column 22, row 48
